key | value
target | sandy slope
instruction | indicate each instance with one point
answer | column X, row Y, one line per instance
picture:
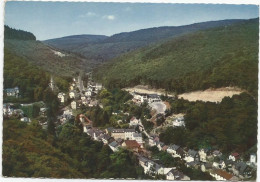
column 211, row 95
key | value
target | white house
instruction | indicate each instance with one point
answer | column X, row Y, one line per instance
column 74, row 105
column 61, row 97
column 98, row 86
column 114, row 146
column 72, row 94
column 154, row 98
column 176, row 151
column 203, row 155
column 253, row 159
column 174, row 174
column 234, row 156
column 134, row 121
column 14, row 92
column 138, row 137
column 88, row 93
column 26, row 119
column 178, row 122
column 192, row 155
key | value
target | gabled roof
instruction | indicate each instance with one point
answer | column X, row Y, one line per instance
column 223, row 174
column 241, row 167
column 192, row 153
column 132, row 144
column 174, row 147
column 177, row 174
column 113, row 144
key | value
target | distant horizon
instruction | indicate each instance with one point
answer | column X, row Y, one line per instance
column 108, row 19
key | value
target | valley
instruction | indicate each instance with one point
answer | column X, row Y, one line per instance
column 175, row 103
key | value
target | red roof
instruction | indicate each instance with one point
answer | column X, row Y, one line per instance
column 224, row 174
column 235, row 154
column 132, row 144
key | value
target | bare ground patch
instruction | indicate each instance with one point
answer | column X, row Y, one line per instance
column 211, row 95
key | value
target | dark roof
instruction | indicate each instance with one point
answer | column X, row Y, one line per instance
column 193, row 163
column 192, row 153
column 241, row 167
column 113, row 144
column 122, row 130
column 177, row 174
column 174, row 147
column 106, row 136
column 208, row 165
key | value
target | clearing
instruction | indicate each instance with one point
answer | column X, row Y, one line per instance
column 145, row 89
column 211, row 95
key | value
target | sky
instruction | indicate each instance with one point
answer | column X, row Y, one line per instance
column 48, row 20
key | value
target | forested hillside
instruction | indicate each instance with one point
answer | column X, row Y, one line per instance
column 223, row 56
column 228, row 126
column 28, row 151
column 10, row 33
column 31, row 80
column 102, row 49
column 52, row 60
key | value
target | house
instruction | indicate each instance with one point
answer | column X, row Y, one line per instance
column 139, row 97
column 153, row 140
column 93, row 103
column 12, row 92
column 229, row 163
column 129, row 133
column 206, row 167
column 193, row 164
column 150, row 167
column 131, row 144
column 25, row 119
column 253, row 159
column 138, row 137
column 72, row 94
column 178, row 122
column 176, row 151
column 221, row 175
column 234, row 156
column 154, row 98
column 98, row 86
column 174, row 174
column 109, row 130
column 134, row 121
column 216, row 153
column 192, row 155
column 221, row 164
column 242, row 170
column 203, row 155
column 114, row 146
column 160, row 145
column 88, row 93
column 62, row 97
column 74, row 105
column 43, row 111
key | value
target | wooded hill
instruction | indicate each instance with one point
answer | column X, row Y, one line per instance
column 101, row 48
column 22, row 44
column 223, row 56
column 10, row 33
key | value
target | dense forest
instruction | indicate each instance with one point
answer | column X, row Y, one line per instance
column 31, row 80
column 223, row 56
column 228, row 126
column 10, row 33
column 29, row 151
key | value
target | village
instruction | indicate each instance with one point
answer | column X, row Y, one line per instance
column 135, row 137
